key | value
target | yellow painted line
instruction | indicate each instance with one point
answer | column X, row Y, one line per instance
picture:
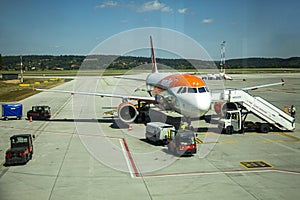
column 198, row 141
column 106, row 82
column 270, row 141
column 37, row 83
column 46, row 81
column 24, row 85
column 290, row 136
column 229, row 141
column 109, row 112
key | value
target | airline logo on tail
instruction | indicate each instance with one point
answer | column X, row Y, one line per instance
column 154, row 66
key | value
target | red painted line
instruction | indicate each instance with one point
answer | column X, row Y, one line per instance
column 133, row 165
column 136, row 172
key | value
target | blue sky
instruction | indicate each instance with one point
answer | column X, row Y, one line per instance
column 251, row 28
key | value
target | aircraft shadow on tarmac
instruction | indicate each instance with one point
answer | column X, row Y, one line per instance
column 115, row 124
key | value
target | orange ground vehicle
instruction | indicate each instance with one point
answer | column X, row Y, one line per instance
column 183, row 143
column 39, row 112
column 21, row 150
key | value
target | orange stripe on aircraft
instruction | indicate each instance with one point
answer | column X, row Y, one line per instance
column 177, row 80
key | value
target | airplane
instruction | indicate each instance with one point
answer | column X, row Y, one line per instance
column 184, row 93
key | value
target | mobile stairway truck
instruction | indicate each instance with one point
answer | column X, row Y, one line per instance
column 241, row 104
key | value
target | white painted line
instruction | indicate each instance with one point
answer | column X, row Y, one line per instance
column 126, row 158
column 222, row 172
column 207, row 173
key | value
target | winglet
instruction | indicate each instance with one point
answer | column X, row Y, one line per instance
column 282, row 82
column 154, row 66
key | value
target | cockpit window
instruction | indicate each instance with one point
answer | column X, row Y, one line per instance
column 179, row 90
column 183, row 90
column 203, row 89
column 192, row 90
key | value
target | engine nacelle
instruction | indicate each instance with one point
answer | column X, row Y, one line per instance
column 222, row 107
column 127, row 112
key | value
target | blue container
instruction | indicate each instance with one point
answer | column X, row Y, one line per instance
column 12, row 110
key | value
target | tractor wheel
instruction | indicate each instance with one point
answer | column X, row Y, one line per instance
column 229, row 130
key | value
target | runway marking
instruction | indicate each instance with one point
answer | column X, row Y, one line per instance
column 229, row 141
column 220, row 173
column 266, row 141
column 232, row 141
column 255, row 164
column 126, row 158
column 136, row 172
column 3, row 171
column 291, row 138
column 296, row 139
column 198, row 141
column 125, row 148
column 106, row 82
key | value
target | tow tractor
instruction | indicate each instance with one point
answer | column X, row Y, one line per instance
column 180, row 142
column 21, row 150
column 39, row 112
column 183, row 143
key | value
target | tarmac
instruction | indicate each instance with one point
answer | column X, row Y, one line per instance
column 82, row 153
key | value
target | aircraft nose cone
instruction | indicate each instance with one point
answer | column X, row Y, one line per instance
column 204, row 101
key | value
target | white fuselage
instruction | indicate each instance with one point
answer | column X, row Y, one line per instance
column 185, row 94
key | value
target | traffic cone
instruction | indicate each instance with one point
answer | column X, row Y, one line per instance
column 129, row 127
column 30, row 119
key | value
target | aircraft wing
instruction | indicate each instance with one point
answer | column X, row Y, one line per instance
column 261, row 86
column 130, row 78
column 121, row 96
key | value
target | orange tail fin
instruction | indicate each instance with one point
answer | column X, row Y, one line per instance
column 154, row 66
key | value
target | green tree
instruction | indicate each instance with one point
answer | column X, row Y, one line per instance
column 1, row 63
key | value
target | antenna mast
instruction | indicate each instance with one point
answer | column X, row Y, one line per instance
column 222, row 62
column 21, row 65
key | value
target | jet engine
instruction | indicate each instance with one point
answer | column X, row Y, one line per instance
column 127, row 112
column 222, row 107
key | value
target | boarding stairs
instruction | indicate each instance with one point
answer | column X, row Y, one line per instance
column 261, row 108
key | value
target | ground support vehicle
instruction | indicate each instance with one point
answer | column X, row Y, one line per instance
column 159, row 133
column 21, row 150
column 183, row 143
column 39, row 113
column 12, row 110
column 241, row 104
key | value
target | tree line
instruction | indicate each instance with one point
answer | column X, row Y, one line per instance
column 74, row 62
